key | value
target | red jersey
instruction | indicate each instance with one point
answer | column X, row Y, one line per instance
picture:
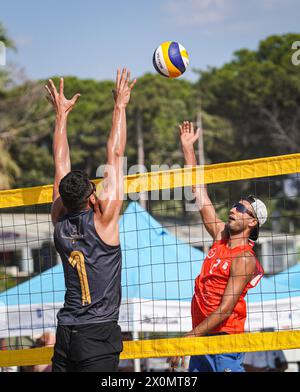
column 212, row 281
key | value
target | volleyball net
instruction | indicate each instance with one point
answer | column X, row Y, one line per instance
column 164, row 243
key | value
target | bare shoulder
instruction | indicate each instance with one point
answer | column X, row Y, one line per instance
column 244, row 263
column 107, row 230
column 57, row 210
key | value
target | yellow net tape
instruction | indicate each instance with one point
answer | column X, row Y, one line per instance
column 222, row 172
column 262, row 341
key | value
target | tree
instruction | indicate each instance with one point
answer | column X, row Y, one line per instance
column 27, row 122
column 4, row 73
column 9, row 43
column 23, row 128
column 157, row 107
column 7, row 281
column 8, row 168
column 258, row 92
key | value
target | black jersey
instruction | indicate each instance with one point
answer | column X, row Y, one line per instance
column 92, row 271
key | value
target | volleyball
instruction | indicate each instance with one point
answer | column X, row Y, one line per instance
column 170, row 59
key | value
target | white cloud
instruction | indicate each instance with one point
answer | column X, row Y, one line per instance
column 196, row 12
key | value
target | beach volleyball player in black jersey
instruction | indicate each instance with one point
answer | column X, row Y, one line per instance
column 86, row 236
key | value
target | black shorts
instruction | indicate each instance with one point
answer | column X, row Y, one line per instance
column 87, row 348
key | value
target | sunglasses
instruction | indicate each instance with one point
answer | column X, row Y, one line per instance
column 93, row 189
column 241, row 208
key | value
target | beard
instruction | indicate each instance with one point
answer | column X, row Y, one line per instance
column 235, row 227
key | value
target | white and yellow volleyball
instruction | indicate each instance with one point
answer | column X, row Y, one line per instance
column 170, row 59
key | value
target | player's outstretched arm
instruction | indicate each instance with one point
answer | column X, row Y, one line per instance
column 111, row 190
column 212, row 222
column 61, row 153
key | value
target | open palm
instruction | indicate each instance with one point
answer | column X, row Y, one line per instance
column 123, row 89
column 187, row 134
column 61, row 104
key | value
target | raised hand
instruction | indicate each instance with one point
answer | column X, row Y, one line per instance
column 61, row 104
column 187, row 135
column 123, row 89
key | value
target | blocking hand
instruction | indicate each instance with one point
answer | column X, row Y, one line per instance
column 123, row 89
column 187, row 134
column 61, row 104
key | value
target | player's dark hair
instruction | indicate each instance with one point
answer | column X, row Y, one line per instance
column 74, row 189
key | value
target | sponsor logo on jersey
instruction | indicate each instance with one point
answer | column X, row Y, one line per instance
column 211, row 253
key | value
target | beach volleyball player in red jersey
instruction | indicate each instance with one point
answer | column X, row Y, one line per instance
column 229, row 270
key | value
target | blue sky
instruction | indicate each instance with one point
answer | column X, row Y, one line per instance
column 91, row 38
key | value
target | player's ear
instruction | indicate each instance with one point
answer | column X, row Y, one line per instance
column 252, row 223
column 92, row 200
column 95, row 204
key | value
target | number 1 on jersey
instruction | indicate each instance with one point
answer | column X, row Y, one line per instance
column 76, row 259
